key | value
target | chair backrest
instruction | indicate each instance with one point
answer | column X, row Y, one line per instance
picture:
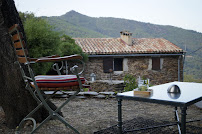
column 19, row 43
column 22, row 54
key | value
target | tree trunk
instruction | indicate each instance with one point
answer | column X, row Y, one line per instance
column 14, row 98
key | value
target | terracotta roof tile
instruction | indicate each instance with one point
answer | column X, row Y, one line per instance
column 118, row 46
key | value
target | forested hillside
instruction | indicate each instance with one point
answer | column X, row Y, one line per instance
column 75, row 24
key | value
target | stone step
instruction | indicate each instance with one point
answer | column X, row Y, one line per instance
column 69, row 92
column 107, row 93
column 90, row 93
column 81, row 97
column 100, row 96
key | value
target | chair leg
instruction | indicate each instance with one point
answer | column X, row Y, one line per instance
column 42, row 123
column 43, row 102
column 52, row 114
column 70, row 98
column 66, row 123
column 177, row 119
column 55, row 114
column 22, row 122
column 28, row 117
column 61, row 118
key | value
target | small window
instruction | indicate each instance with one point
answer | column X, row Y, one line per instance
column 156, row 63
column 118, row 64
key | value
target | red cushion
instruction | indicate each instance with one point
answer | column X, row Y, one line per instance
column 57, row 81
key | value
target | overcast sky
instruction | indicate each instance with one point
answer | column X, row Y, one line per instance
column 186, row 14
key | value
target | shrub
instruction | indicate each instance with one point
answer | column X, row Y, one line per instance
column 130, row 82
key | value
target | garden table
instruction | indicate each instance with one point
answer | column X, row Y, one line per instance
column 190, row 94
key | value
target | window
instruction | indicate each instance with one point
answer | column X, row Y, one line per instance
column 156, row 63
column 116, row 64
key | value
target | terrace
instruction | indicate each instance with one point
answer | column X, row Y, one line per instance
column 99, row 116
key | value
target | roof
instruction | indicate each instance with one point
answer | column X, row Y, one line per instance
column 97, row 46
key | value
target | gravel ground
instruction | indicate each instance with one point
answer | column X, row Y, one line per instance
column 93, row 115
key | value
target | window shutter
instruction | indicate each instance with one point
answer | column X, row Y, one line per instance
column 107, row 64
column 155, row 63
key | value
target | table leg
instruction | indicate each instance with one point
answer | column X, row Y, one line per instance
column 119, row 116
column 183, row 120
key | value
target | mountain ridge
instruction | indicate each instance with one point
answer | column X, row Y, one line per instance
column 73, row 12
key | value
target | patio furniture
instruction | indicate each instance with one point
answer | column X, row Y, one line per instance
column 36, row 84
column 190, row 94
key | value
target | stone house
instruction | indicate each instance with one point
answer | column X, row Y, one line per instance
column 155, row 58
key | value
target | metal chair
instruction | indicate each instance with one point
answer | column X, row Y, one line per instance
column 35, row 84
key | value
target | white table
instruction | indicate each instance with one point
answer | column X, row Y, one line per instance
column 190, row 94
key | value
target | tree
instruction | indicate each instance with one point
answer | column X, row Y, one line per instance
column 69, row 47
column 14, row 98
column 25, row 16
column 42, row 41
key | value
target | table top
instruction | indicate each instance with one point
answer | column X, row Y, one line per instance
column 190, row 94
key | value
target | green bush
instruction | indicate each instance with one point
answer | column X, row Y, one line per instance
column 130, row 82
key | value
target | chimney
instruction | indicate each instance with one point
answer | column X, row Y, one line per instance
column 126, row 36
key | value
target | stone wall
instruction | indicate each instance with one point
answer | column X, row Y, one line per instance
column 137, row 66
column 106, row 85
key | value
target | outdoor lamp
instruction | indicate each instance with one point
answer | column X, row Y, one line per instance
column 92, row 77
